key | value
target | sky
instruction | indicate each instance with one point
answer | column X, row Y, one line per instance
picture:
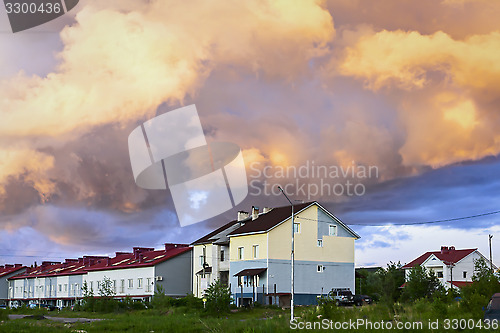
column 397, row 100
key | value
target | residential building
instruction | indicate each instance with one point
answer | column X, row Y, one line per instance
column 452, row 267
column 140, row 273
column 136, row 275
column 7, row 271
column 211, row 256
column 259, row 255
column 51, row 282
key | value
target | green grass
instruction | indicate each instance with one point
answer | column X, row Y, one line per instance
column 262, row 319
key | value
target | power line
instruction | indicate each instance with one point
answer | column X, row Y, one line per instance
column 410, row 223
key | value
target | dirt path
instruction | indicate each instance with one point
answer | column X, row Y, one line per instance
column 58, row 319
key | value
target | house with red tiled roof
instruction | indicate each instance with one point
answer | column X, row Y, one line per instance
column 54, row 283
column 135, row 274
column 138, row 274
column 7, row 271
column 451, row 266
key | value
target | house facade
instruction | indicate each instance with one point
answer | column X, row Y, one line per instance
column 7, row 271
column 134, row 274
column 54, row 283
column 140, row 273
column 259, row 266
column 453, row 268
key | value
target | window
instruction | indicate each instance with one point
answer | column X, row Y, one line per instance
column 114, row 286
column 296, row 228
column 320, row 268
column 440, row 274
column 139, row 283
column 122, row 286
column 60, row 287
column 255, row 251
column 221, row 255
column 130, row 283
column 241, row 253
column 202, row 260
column 320, row 243
column 148, row 284
column 98, row 285
column 465, row 275
column 332, row 230
column 91, row 286
column 65, row 287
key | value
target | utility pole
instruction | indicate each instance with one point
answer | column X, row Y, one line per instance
column 491, row 257
column 292, row 291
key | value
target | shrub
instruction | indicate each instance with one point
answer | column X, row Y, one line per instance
column 218, row 297
column 4, row 315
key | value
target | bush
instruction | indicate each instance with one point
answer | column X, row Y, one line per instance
column 218, row 297
column 421, row 283
column 476, row 296
column 4, row 314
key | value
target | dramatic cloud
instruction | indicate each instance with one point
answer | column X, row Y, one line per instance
column 411, row 88
column 119, row 64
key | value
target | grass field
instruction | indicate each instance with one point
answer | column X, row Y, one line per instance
column 183, row 319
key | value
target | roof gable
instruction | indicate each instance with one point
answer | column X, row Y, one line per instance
column 269, row 220
column 447, row 257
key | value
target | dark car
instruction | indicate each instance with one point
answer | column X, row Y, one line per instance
column 3, row 306
column 493, row 309
column 362, row 299
column 48, row 307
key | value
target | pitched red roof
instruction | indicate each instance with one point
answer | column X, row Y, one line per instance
column 266, row 221
column 461, row 284
column 447, row 256
column 8, row 269
column 140, row 258
column 51, row 268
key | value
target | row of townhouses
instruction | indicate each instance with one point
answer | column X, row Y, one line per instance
column 250, row 254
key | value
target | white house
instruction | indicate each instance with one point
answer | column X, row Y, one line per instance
column 139, row 273
column 452, row 267
column 135, row 274
column 51, row 283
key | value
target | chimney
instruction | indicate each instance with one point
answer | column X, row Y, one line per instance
column 141, row 258
column 255, row 212
column 35, row 263
column 452, row 248
column 444, row 249
column 170, row 246
column 266, row 210
column 242, row 215
column 9, row 266
column 18, row 265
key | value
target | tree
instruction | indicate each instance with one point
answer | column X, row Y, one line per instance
column 485, row 284
column 384, row 284
column 106, row 289
column 421, row 283
column 218, row 297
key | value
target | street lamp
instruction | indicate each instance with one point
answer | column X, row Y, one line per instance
column 292, row 254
